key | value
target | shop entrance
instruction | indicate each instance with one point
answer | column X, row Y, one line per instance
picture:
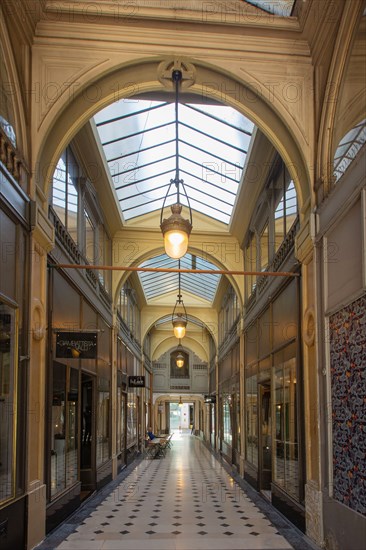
column 181, row 417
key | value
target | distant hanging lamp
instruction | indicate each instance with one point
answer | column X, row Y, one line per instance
column 179, row 360
column 180, row 404
column 179, row 315
column 176, row 229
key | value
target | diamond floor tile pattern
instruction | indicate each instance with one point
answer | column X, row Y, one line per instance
column 183, row 501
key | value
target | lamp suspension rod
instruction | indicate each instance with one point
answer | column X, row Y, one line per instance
column 177, row 76
column 175, row 270
column 179, row 295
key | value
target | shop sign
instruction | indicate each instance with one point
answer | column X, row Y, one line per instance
column 76, row 345
column 136, row 381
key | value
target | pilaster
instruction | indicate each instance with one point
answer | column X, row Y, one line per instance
column 304, row 251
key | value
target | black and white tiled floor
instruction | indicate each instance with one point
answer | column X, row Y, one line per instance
column 184, row 501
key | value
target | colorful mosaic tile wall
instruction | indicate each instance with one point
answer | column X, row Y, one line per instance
column 348, row 380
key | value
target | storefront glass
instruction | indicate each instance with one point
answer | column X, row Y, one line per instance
column 251, row 405
column 8, row 334
column 64, row 429
column 226, row 419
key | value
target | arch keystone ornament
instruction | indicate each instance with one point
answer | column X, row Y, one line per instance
column 166, row 68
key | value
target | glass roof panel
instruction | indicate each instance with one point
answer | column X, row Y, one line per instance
column 203, row 285
column 138, row 139
column 348, row 148
column 283, row 8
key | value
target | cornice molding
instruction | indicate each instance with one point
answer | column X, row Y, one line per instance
column 233, row 13
column 61, row 33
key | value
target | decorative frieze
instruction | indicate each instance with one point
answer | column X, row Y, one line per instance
column 12, row 160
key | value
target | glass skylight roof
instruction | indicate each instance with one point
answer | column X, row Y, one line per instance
column 348, row 148
column 203, row 285
column 138, row 139
column 283, row 8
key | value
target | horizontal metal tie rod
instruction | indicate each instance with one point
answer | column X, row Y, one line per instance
column 175, row 270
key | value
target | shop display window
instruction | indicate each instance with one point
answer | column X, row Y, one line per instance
column 103, row 421
column 286, row 452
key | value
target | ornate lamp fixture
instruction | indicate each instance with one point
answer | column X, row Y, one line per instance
column 179, row 360
column 180, row 404
column 179, row 315
column 176, row 229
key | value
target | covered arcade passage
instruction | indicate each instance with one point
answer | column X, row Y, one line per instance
column 240, row 124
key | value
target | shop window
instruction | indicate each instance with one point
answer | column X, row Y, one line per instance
column 238, row 415
column 286, row 460
column 8, row 345
column 131, row 419
column 64, row 436
column 251, row 413
column 64, row 193
column 122, row 416
column 226, row 419
column 103, row 423
column 213, row 424
column 121, row 406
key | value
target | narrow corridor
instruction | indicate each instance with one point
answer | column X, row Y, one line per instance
column 183, row 501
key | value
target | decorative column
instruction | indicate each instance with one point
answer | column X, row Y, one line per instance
column 41, row 242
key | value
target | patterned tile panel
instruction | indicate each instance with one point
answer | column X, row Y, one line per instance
column 348, row 387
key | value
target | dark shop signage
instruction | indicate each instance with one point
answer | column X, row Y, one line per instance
column 136, row 381
column 210, row 398
column 76, row 345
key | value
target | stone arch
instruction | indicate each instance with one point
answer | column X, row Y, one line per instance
column 191, row 250
column 66, row 117
column 170, row 344
column 335, row 106
column 205, row 325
